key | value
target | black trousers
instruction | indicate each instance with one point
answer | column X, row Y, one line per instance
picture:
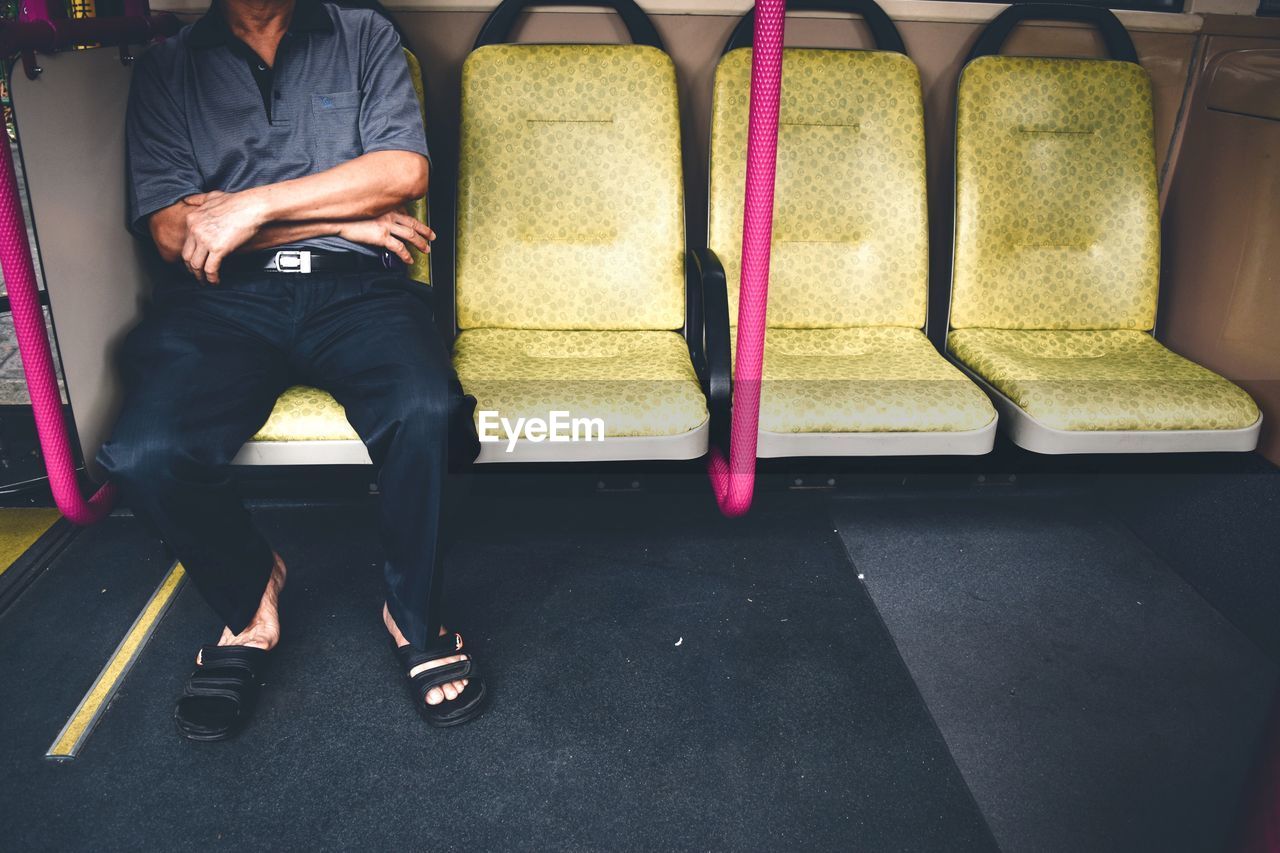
column 201, row 374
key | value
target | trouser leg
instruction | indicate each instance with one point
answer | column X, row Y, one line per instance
column 375, row 347
column 196, row 387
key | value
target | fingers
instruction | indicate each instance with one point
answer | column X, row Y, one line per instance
column 397, row 248
column 413, row 235
column 212, row 265
column 422, row 228
column 194, row 255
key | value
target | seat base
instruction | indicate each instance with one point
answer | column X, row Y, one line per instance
column 304, row 452
column 625, row 448
column 1030, row 434
column 974, row 442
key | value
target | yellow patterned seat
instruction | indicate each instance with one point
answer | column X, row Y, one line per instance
column 637, row 383
column 304, row 414
column 863, row 380
column 1115, row 379
column 570, row 244
column 1056, row 267
column 845, row 354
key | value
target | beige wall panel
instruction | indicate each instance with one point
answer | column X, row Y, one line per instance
column 71, row 126
column 1221, row 298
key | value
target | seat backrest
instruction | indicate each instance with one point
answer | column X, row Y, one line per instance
column 1057, row 211
column 570, row 201
column 421, row 269
column 850, row 231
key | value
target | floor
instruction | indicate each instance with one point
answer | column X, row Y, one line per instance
column 929, row 666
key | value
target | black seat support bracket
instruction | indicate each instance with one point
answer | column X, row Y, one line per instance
column 501, row 21
column 708, row 335
column 883, row 32
column 1114, row 35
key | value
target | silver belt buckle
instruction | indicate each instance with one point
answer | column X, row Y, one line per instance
column 293, row 260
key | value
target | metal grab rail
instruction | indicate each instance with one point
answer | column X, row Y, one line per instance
column 19, row 270
column 733, row 480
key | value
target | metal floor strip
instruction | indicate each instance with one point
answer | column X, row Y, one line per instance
column 80, row 725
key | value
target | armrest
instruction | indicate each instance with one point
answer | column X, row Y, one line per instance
column 708, row 335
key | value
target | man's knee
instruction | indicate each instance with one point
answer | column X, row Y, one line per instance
column 423, row 408
column 143, row 462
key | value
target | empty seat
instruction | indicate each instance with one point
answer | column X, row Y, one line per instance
column 307, row 426
column 847, row 367
column 570, row 286
column 1057, row 256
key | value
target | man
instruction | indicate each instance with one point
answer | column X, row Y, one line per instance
column 272, row 148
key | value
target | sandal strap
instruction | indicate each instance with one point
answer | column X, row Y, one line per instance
column 445, row 647
column 439, row 676
column 248, row 658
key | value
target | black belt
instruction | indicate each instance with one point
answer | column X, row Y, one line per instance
column 304, row 261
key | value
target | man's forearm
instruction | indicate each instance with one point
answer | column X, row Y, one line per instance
column 363, row 188
column 281, row 233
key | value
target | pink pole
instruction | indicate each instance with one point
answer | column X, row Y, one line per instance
column 734, row 480
column 37, row 358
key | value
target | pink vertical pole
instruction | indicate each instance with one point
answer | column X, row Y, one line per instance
column 37, row 357
column 734, row 480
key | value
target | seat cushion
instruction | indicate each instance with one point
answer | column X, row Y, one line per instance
column 570, row 194
column 873, row 379
column 850, row 243
column 306, row 414
column 1057, row 222
column 637, row 383
column 1102, row 380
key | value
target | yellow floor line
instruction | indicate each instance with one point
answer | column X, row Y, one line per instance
column 94, row 703
column 20, row 527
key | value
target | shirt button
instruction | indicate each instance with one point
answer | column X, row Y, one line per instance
column 261, row 67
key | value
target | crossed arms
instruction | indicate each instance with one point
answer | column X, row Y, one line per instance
column 361, row 200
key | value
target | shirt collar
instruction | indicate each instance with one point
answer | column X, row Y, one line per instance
column 212, row 30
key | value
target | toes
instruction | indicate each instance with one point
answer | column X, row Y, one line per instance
column 459, row 686
column 449, row 692
column 434, row 696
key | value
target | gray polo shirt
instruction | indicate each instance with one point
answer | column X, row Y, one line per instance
column 205, row 113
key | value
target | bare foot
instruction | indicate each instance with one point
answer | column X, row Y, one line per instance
column 435, row 695
column 263, row 632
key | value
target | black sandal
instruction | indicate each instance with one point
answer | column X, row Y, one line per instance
column 221, row 692
column 451, row 712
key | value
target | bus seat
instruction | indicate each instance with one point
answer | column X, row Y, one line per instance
column 1057, row 253
column 570, row 286
column 848, row 370
column 307, row 426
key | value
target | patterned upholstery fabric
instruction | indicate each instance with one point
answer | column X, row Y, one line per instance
column 870, row 379
column 309, row 414
column 1102, row 380
column 1057, row 251
column 848, row 284
column 570, row 204
column 639, row 383
column 1057, row 220
column 421, row 269
column 306, row 414
column 850, row 242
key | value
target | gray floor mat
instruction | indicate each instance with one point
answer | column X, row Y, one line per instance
column 1092, row 699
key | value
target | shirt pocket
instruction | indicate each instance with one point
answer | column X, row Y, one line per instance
column 335, row 119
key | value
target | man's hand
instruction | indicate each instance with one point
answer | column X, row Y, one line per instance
column 218, row 223
column 389, row 231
